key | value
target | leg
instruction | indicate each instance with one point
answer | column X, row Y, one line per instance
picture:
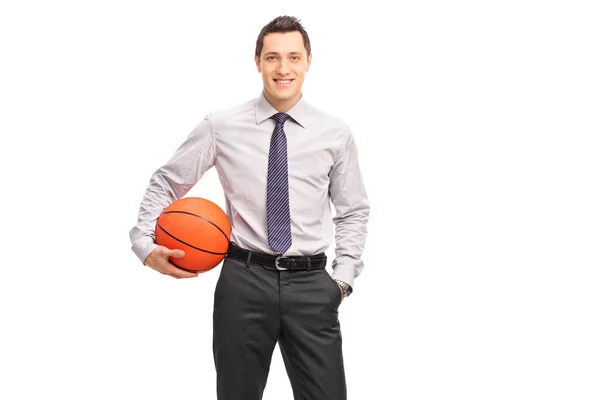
column 245, row 326
column 310, row 336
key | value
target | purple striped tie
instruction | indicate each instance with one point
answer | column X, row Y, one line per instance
column 278, row 199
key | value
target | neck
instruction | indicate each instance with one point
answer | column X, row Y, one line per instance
column 282, row 105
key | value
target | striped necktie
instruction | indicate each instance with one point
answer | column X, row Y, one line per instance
column 278, row 199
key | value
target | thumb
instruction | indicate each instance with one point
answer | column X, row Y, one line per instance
column 176, row 253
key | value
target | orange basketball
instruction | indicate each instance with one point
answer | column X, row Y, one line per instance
column 197, row 226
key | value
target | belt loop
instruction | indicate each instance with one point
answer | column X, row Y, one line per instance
column 308, row 259
column 248, row 259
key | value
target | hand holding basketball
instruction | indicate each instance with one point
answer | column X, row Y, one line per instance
column 197, row 226
column 158, row 260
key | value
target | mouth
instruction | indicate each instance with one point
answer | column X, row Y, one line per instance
column 283, row 82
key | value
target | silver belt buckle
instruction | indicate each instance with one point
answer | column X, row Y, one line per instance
column 277, row 263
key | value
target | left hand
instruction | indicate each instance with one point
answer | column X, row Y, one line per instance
column 342, row 290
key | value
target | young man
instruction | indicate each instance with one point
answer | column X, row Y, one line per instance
column 280, row 162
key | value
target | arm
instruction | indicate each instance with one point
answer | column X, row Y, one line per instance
column 348, row 195
column 171, row 182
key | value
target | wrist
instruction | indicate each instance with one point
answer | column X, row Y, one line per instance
column 347, row 289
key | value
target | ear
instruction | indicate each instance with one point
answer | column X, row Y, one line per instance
column 257, row 61
column 309, row 59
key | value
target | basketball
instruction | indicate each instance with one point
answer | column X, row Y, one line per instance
column 197, row 226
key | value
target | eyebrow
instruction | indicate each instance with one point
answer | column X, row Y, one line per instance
column 293, row 53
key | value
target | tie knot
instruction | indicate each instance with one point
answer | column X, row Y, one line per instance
column 280, row 118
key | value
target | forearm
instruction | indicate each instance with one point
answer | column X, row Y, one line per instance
column 350, row 239
column 163, row 189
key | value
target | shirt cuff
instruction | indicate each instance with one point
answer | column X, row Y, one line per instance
column 142, row 247
column 344, row 274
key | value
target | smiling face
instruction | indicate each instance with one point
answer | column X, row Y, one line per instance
column 283, row 63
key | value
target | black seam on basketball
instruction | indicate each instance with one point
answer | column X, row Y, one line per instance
column 187, row 244
column 198, row 216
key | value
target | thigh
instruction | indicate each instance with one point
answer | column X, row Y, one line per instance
column 310, row 337
column 245, row 326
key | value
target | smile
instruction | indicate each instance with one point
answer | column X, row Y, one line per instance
column 283, row 82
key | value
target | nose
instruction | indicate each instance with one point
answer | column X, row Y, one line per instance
column 283, row 68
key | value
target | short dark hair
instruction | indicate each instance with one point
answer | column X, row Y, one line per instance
column 282, row 24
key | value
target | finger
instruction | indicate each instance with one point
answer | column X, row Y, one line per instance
column 172, row 275
column 180, row 273
column 176, row 253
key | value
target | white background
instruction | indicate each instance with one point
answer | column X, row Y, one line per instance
column 477, row 124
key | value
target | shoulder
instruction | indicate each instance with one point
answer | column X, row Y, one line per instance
column 239, row 111
column 333, row 124
column 327, row 118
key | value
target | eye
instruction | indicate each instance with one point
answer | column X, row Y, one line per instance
column 295, row 58
column 270, row 58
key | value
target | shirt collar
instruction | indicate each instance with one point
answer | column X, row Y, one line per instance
column 299, row 113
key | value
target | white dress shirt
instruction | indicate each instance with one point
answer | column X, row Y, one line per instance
column 322, row 166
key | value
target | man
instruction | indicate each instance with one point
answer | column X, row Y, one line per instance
column 280, row 162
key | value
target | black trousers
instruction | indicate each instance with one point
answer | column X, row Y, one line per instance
column 254, row 308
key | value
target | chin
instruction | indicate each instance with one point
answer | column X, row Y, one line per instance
column 282, row 96
column 285, row 96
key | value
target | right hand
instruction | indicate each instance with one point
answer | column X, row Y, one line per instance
column 158, row 260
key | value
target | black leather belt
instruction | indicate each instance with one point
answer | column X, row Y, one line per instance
column 281, row 263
